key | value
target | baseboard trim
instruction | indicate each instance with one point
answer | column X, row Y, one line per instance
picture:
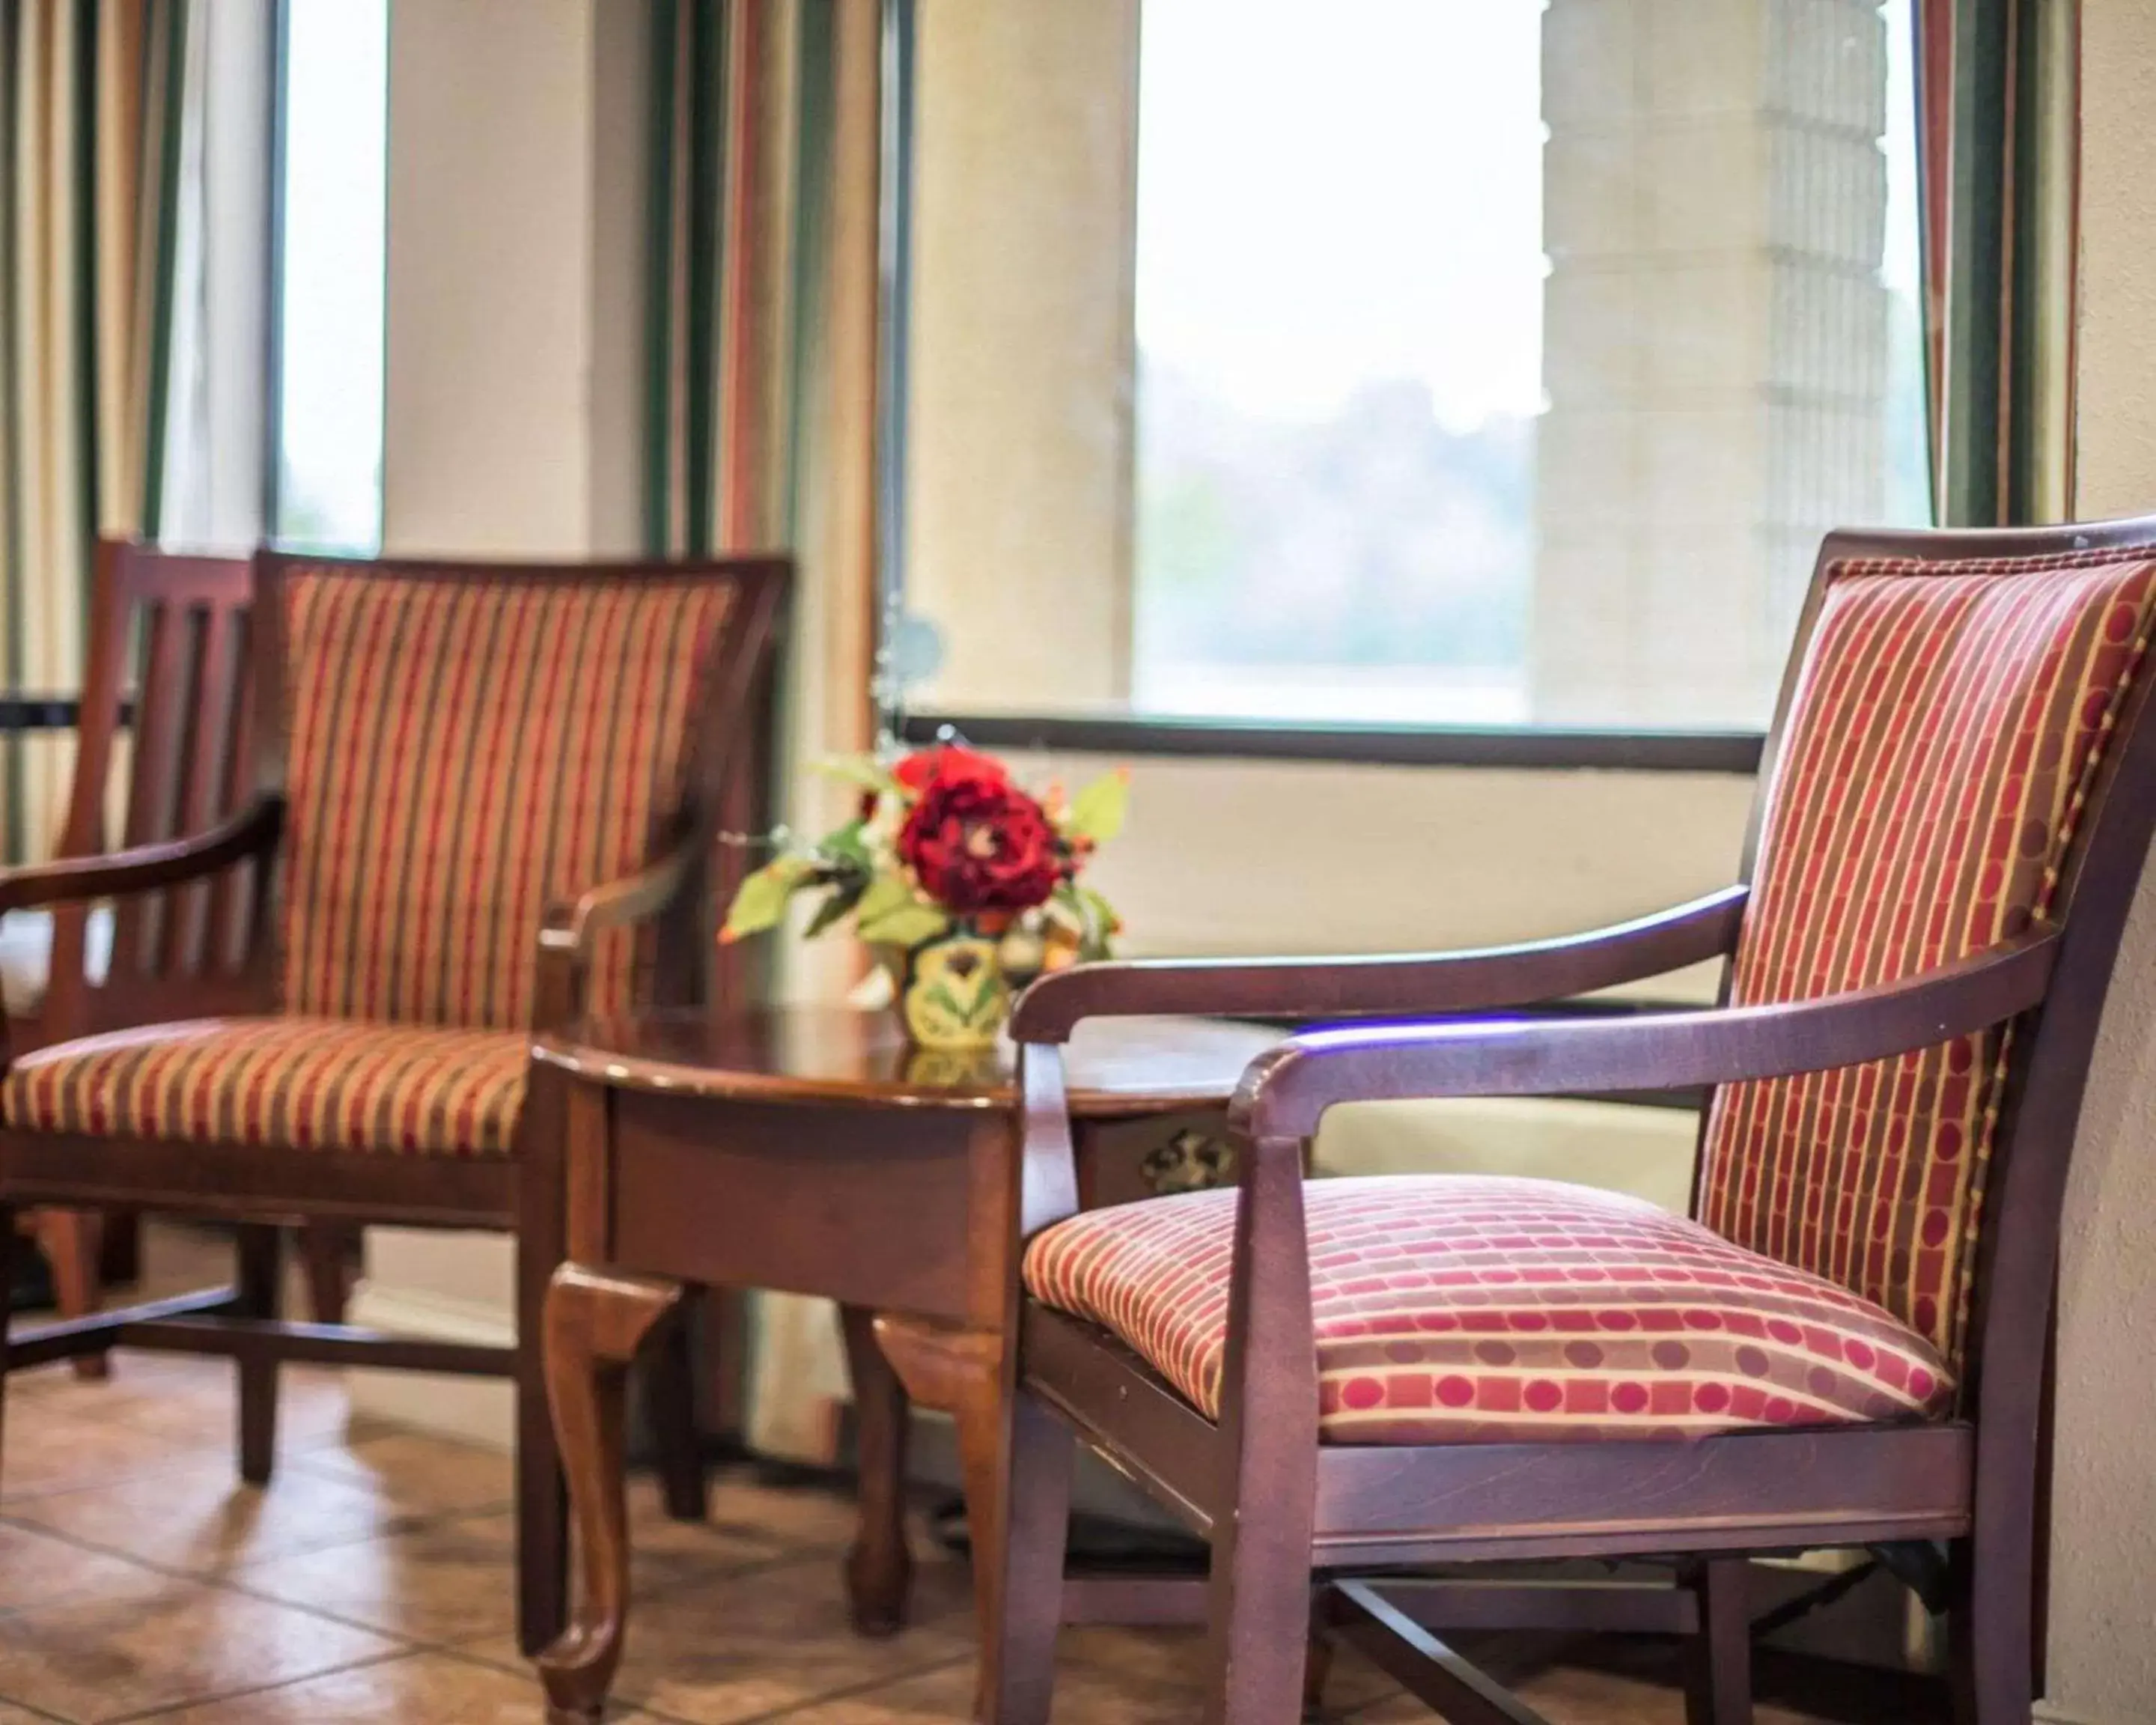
column 2049, row 1712
column 472, row 1411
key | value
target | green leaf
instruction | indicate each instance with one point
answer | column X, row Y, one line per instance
column 893, row 914
column 862, row 770
column 1097, row 812
column 1100, row 925
column 846, row 892
column 849, row 847
column 907, row 925
column 885, row 894
column 761, row 902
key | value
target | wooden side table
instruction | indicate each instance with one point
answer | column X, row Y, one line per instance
column 813, row 1150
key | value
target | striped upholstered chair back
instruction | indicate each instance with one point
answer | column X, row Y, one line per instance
column 464, row 748
column 1941, row 730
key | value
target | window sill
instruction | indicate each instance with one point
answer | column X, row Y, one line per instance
column 1551, row 747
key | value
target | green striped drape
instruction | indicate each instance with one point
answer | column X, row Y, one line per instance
column 91, row 97
column 744, row 358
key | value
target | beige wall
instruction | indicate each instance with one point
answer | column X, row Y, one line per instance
column 2103, row 1645
column 1228, row 856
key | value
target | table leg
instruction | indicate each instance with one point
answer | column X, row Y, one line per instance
column 880, row 1568
column 595, row 1322
column 960, row 1371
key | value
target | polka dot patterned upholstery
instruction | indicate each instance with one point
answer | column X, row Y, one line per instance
column 1458, row 1310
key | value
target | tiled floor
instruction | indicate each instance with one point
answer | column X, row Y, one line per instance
column 371, row 1582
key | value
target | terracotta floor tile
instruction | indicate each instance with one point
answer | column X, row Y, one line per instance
column 189, row 1403
column 164, row 1643
column 741, row 1646
column 667, row 1551
column 418, row 1689
column 418, row 1474
column 43, row 1451
column 450, row 1580
column 1579, row 1698
column 38, row 1570
column 801, row 1516
column 202, row 1521
column 1085, row 1695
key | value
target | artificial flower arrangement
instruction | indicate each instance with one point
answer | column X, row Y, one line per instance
column 966, row 882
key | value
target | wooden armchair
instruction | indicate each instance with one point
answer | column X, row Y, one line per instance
column 1845, row 1345
column 167, row 640
column 480, row 799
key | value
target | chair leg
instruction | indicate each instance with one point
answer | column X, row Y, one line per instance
column 1018, row 1674
column 542, row 1502
column 74, row 1244
column 257, row 1279
column 1991, row 1628
column 670, row 1411
column 1258, row 1612
column 1718, row 1682
column 10, row 1244
column 325, row 1250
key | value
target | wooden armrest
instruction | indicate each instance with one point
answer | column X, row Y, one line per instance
column 253, row 832
column 1286, row 1091
column 571, row 929
column 569, row 932
column 1472, row 980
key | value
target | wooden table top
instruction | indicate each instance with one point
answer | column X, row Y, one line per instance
column 1116, row 1067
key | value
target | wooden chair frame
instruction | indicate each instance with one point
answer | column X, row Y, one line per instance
column 188, row 734
column 1292, row 1521
column 210, row 952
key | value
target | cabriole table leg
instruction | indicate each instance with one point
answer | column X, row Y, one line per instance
column 595, row 1322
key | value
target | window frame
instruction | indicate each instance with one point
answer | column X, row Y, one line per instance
column 1990, row 163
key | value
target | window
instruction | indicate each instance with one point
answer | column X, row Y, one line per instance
column 331, row 269
column 1497, row 363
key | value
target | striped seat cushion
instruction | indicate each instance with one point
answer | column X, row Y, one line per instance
column 1469, row 1310
column 464, row 752
column 1945, row 726
column 289, row 1083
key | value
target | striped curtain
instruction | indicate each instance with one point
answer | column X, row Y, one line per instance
column 92, row 94
column 763, row 320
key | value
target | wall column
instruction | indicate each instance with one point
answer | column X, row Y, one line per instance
column 1715, row 342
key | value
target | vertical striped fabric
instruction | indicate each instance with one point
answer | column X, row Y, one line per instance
column 91, row 97
column 743, row 93
column 464, row 752
column 1945, row 728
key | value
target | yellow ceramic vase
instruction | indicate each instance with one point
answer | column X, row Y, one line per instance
column 952, row 992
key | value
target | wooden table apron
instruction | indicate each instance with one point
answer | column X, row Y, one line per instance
column 898, row 1202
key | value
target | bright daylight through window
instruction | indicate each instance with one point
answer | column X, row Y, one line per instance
column 1497, row 362
column 331, row 272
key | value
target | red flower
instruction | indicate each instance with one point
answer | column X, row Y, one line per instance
column 977, row 843
column 946, row 760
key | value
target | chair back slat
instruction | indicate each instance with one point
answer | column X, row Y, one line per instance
column 166, row 708
column 230, row 927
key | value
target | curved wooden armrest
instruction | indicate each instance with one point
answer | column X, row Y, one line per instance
column 572, row 929
column 1286, row 1091
column 253, row 832
column 1470, row 980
